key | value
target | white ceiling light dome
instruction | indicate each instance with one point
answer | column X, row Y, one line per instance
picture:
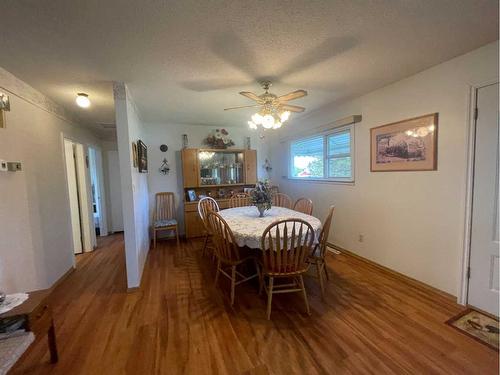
column 82, row 100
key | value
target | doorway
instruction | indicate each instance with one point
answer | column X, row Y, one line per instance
column 484, row 258
column 78, row 194
column 97, row 190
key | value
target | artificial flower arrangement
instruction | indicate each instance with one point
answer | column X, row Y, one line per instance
column 262, row 197
column 219, row 139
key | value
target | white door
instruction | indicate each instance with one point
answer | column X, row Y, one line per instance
column 73, row 196
column 485, row 255
column 103, row 217
column 115, row 191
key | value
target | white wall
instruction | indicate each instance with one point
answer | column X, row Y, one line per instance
column 171, row 135
column 134, row 186
column 35, row 228
column 412, row 222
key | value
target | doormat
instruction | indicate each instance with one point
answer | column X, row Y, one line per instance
column 479, row 326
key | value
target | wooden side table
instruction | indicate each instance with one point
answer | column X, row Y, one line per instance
column 38, row 314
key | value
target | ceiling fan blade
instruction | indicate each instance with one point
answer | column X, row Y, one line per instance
column 292, row 108
column 243, row 106
column 251, row 95
column 292, row 95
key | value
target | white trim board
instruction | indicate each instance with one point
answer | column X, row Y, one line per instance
column 462, row 295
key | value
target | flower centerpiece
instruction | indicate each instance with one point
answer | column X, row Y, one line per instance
column 261, row 197
column 219, row 139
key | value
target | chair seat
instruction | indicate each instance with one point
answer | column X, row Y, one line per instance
column 165, row 223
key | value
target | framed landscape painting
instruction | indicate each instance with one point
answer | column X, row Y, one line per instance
column 408, row 145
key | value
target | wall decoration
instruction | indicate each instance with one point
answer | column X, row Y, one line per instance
column 267, row 166
column 408, row 145
column 163, row 148
column 142, row 155
column 164, row 168
column 134, row 154
column 219, row 139
column 185, row 142
column 4, row 107
column 191, row 195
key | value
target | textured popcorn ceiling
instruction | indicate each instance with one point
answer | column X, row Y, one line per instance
column 184, row 61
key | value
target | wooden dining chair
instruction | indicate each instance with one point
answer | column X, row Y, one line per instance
column 282, row 200
column 285, row 245
column 317, row 257
column 164, row 215
column 229, row 255
column 304, row 205
column 239, row 200
column 205, row 205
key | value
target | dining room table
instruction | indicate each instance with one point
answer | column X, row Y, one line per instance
column 248, row 227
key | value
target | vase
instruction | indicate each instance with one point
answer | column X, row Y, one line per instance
column 261, row 209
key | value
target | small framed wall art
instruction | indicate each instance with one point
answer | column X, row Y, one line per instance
column 134, row 154
column 142, row 157
column 408, row 145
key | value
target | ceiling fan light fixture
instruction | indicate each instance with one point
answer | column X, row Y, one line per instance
column 252, row 125
column 284, row 116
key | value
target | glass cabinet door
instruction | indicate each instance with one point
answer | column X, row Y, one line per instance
column 220, row 167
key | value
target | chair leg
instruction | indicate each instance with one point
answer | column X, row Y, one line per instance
column 205, row 244
column 326, row 271
column 233, row 283
column 319, row 269
column 258, row 274
column 154, row 239
column 270, row 297
column 217, row 272
column 305, row 294
column 177, row 234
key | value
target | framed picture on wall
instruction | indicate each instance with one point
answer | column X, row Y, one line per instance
column 191, row 195
column 408, row 145
column 142, row 156
column 134, row 154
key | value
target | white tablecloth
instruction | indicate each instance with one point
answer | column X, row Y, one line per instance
column 248, row 227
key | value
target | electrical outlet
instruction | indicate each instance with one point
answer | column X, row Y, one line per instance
column 3, row 166
column 14, row 166
column 361, row 238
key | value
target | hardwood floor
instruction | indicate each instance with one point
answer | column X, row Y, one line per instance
column 178, row 323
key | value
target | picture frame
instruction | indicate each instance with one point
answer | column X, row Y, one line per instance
column 134, row 154
column 142, row 157
column 405, row 146
column 191, row 195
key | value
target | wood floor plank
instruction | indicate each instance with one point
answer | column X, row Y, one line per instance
column 371, row 322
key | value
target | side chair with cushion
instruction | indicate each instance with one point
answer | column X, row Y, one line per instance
column 164, row 215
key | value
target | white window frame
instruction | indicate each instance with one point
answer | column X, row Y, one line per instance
column 326, row 157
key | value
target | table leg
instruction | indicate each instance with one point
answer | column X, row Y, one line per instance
column 51, row 334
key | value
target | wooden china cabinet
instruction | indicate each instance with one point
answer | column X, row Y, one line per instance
column 214, row 173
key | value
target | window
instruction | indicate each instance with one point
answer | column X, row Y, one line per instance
column 323, row 157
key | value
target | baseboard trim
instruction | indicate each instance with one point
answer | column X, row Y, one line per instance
column 404, row 278
column 62, row 278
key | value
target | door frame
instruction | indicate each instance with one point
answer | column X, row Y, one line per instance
column 86, row 238
column 462, row 297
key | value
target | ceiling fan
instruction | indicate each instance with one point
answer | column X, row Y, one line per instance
column 274, row 110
